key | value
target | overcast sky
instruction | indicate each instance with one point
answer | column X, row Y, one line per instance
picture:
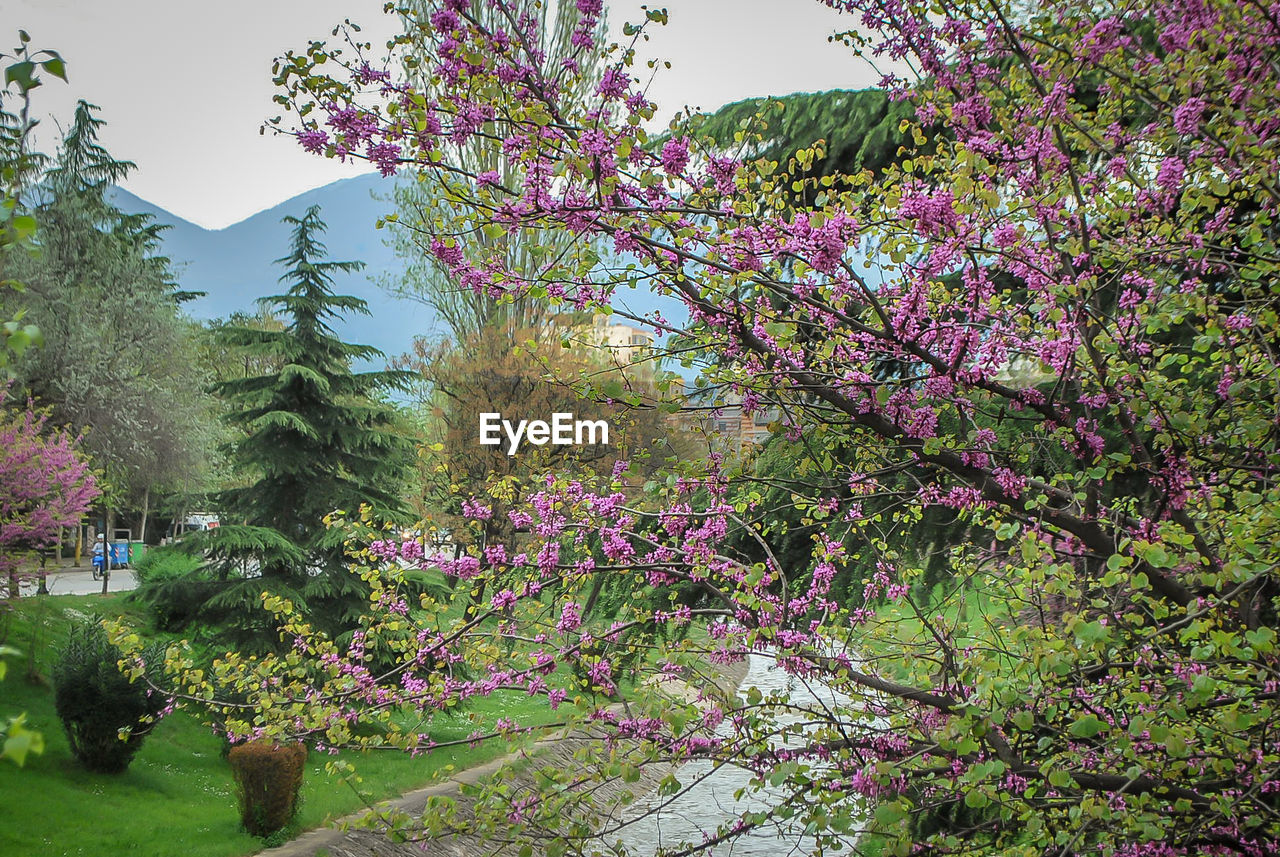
column 185, row 84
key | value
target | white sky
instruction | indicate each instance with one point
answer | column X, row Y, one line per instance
column 185, row 84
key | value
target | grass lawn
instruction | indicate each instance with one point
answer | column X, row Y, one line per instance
column 177, row 797
column 971, row 613
column 900, row 645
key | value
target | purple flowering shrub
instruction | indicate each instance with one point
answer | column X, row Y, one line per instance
column 1073, row 292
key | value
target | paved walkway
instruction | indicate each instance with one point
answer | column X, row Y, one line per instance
column 65, row 579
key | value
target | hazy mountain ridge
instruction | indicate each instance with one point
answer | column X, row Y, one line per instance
column 234, row 266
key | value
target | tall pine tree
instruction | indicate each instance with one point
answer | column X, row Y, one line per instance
column 314, row 437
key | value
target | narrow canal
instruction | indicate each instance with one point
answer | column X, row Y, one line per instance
column 709, row 802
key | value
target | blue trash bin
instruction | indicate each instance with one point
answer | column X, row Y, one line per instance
column 119, row 553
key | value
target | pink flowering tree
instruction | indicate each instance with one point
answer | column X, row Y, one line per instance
column 45, row 485
column 1057, row 322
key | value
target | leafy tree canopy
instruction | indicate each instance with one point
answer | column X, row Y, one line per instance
column 1080, row 316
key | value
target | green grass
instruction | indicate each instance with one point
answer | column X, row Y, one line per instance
column 902, row 634
column 177, row 797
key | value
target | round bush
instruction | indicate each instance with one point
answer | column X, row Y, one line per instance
column 105, row 715
column 268, row 778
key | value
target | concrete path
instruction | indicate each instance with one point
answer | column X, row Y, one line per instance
column 65, row 580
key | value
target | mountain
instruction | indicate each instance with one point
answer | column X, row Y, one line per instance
column 235, row 266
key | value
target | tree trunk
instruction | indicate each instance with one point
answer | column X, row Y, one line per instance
column 179, row 516
column 450, row 579
column 478, row 588
column 43, row 587
column 146, row 507
column 596, row 585
column 108, row 531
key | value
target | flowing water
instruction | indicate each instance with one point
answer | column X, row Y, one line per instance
column 709, row 801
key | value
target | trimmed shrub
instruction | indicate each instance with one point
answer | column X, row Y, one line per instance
column 105, row 715
column 268, row 779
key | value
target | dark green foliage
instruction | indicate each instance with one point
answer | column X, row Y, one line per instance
column 241, row 550
column 317, row 435
column 861, row 130
column 174, row 603
column 161, row 564
column 221, row 585
column 118, row 359
column 268, row 778
column 950, row 817
column 105, row 715
column 173, row 586
column 313, row 437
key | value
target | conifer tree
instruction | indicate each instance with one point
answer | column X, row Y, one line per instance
column 316, row 437
column 118, row 362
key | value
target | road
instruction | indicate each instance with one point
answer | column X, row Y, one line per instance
column 72, row 581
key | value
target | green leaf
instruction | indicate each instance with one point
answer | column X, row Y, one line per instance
column 888, row 814
column 1061, row 780
column 17, row 342
column 55, row 66
column 1091, row 632
column 776, row 329
column 1087, row 726
column 24, row 225
column 1261, row 640
column 21, row 741
column 21, row 73
column 1023, row 720
column 1155, row 556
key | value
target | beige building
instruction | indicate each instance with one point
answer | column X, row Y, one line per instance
column 629, row 344
column 717, row 418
